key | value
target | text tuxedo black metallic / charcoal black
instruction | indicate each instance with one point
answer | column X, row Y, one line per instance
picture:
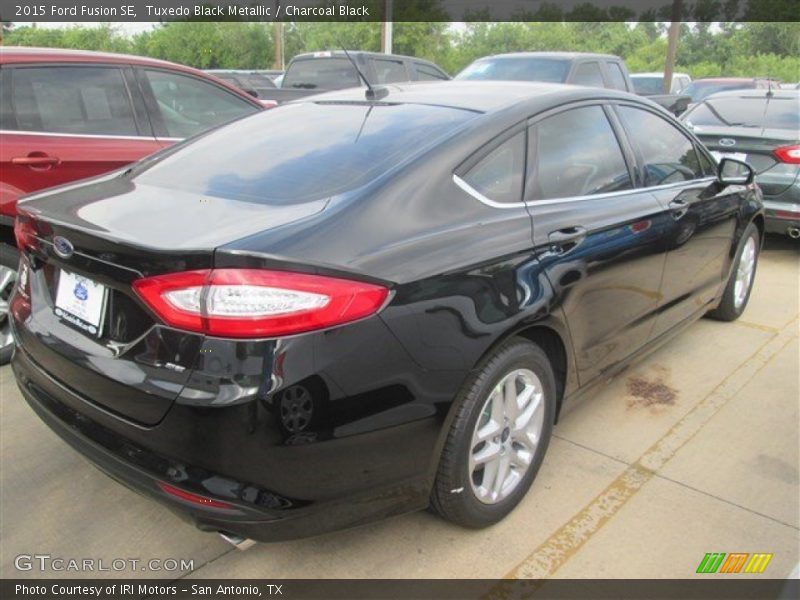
column 352, row 307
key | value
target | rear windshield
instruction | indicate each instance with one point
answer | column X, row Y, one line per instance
column 648, row 85
column 302, row 152
column 322, row 73
column 516, row 69
column 698, row 90
column 777, row 113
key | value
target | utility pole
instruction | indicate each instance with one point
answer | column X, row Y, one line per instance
column 277, row 59
column 277, row 62
column 672, row 45
column 386, row 28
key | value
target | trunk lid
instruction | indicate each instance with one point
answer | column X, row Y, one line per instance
column 755, row 146
column 117, row 232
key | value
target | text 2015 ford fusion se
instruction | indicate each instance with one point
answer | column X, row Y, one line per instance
column 365, row 304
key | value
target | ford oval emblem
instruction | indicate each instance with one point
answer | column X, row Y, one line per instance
column 62, row 246
column 727, row 142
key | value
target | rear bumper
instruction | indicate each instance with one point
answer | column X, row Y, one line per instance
column 782, row 214
column 275, row 490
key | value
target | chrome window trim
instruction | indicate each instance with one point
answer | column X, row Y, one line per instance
column 481, row 198
column 533, row 203
column 80, row 135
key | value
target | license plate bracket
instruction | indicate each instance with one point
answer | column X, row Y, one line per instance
column 81, row 302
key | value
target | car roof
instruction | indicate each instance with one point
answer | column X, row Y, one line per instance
column 23, row 54
column 727, row 80
column 18, row 54
column 478, row 96
column 554, row 55
column 762, row 93
column 341, row 54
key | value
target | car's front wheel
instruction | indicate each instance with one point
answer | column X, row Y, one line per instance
column 740, row 283
column 498, row 437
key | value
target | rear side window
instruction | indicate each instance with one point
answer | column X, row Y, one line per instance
column 588, row 74
column 617, row 78
column 189, row 105
column 77, row 100
column 500, row 174
column 305, row 151
column 322, row 73
column 575, row 153
column 389, row 71
column 429, row 73
column 668, row 155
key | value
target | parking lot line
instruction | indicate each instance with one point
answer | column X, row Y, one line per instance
column 549, row 556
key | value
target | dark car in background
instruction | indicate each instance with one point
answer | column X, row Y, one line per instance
column 347, row 308
column 577, row 68
column 69, row 114
column 761, row 127
column 699, row 89
column 254, row 83
column 318, row 72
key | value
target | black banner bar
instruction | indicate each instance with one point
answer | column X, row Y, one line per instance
column 712, row 588
column 401, row 10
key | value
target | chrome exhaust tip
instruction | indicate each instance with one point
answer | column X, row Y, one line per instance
column 793, row 232
column 237, row 541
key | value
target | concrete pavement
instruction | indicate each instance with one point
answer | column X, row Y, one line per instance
column 696, row 449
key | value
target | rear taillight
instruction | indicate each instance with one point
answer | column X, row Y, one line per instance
column 251, row 303
column 21, row 300
column 788, row 154
column 25, row 233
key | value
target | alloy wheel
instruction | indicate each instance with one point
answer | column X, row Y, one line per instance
column 8, row 278
column 506, row 436
column 744, row 272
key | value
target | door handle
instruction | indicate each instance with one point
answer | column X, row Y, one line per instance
column 569, row 236
column 679, row 207
column 36, row 161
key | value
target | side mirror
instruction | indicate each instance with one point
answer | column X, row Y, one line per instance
column 734, row 172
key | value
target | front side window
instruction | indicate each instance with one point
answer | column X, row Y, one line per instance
column 575, row 153
column 76, row 100
column 189, row 106
column 500, row 174
column 668, row 155
column 588, row 74
column 389, row 71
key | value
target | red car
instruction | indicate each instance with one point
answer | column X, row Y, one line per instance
column 71, row 114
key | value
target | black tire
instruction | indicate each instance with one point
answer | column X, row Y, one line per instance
column 9, row 259
column 453, row 497
column 727, row 309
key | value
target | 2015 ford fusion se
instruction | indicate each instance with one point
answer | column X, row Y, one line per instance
column 360, row 305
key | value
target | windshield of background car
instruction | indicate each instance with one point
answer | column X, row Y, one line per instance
column 778, row 113
column 322, row 73
column 302, row 152
column 699, row 90
column 648, row 85
column 516, row 69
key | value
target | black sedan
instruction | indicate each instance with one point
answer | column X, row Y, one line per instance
column 761, row 127
column 360, row 305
